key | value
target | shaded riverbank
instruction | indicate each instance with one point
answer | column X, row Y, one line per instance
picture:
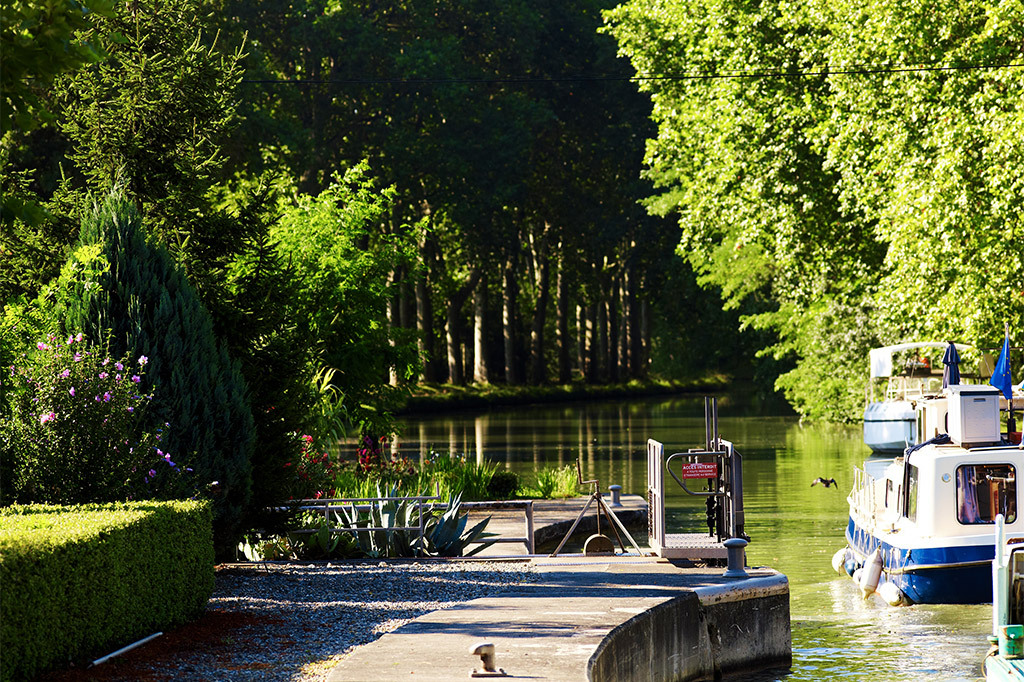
column 430, row 398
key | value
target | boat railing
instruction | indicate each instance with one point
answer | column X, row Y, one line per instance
column 912, row 387
column 862, row 497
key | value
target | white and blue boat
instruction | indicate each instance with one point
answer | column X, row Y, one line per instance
column 920, row 525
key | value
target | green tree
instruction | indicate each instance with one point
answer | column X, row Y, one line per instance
column 145, row 307
column 156, row 117
column 39, row 42
column 151, row 119
column 859, row 206
column 343, row 262
column 933, row 157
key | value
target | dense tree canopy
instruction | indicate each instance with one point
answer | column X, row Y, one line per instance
column 821, row 166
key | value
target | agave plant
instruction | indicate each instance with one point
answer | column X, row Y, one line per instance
column 391, row 516
column 446, row 535
column 324, row 542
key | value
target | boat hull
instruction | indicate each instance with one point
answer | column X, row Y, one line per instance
column 931, row 575
column 890, row 427
column 999, row 669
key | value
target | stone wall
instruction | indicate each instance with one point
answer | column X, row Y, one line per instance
column 701, row 635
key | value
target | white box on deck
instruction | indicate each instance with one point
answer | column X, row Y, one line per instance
column 973, row 414
column 931, row 417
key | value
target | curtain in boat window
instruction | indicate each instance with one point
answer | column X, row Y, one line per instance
column 985, row 490
column 910, row 506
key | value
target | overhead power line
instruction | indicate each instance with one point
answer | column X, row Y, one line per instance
column 856, row 71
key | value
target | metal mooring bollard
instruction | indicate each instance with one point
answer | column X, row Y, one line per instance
column 616, row 493
column 485, row 650
column 736, row 559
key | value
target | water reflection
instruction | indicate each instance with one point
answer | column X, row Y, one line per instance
column 794, row 527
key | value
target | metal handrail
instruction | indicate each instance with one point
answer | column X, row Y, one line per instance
column 693, row 458
column 328, row 505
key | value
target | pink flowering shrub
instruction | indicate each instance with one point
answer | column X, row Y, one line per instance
column 312, row 474
column 77, row 431
column 373, row 469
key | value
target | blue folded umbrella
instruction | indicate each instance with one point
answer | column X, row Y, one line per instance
column 951, row 371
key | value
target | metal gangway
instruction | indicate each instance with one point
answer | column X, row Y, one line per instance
column 720, row 468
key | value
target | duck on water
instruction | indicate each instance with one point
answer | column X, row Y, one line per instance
column 920, row 525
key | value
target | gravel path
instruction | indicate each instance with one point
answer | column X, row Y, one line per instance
column 295, row 622
column 329, row 611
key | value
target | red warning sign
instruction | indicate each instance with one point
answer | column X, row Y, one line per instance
column 700, row 470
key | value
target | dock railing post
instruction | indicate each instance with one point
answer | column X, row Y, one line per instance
column 531, row 547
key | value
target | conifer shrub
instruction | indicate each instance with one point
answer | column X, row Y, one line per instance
column 138, row 299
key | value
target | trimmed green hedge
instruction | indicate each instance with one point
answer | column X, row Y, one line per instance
column 79, row 582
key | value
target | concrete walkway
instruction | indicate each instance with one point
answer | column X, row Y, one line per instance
column 595, row 618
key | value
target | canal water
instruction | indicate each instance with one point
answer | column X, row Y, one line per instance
column 794, row 527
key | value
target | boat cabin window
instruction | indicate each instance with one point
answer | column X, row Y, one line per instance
column 985, row 490
column 910, row 508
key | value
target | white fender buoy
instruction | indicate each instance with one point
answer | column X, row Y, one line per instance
column 839, row 561
column 872, row 573
column 892, row 595
column 857, row 574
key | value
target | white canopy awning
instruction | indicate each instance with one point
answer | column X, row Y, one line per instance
column 881, row 358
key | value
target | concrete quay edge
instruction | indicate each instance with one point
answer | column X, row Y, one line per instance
column 619, row 618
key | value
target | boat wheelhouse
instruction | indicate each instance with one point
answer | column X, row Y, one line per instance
column 920, row 525
column 890, row 416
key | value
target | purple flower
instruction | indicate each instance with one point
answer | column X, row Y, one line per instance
column 106, row 397
column 79, row 337
column 47, row 417
column 66, row 373
column 71, row 340
column 103, row 375
column 78, row 357
column 136, row 378
column 118, row 366
column 97, row 398
column 72, row 391
column 117, row 378
column 106, row 361
column 42, row 346
column 152, row 472
column 143, row 360
column 131, row 409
